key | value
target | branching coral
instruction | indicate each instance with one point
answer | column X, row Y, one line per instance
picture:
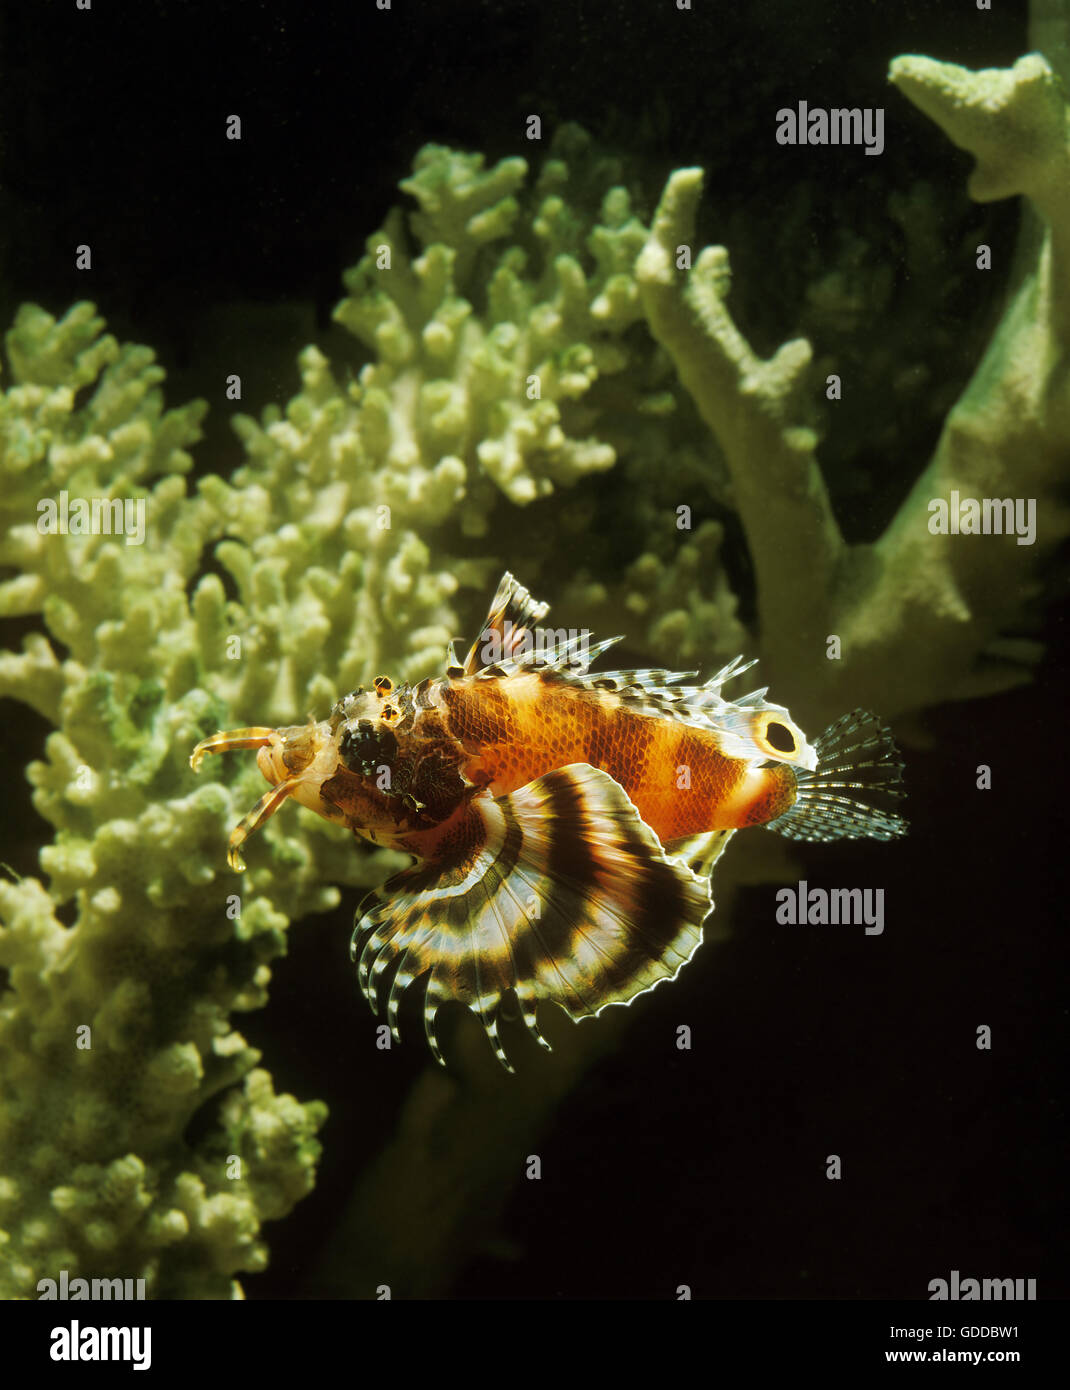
column 483, row 365
column 115, row 1031
column 921, row 617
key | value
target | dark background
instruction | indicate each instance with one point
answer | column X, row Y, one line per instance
column 706, row 1167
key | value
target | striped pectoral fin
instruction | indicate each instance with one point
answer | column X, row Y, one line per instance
column 558, row 891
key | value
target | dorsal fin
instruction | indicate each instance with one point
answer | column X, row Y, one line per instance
column 512, row 612
column 570, row 659
column 647, row 680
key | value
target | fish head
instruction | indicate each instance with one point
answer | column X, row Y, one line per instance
column 344, row 768
column 291, row 751
column 366, row 726
column 390, row 775
column 334, row 768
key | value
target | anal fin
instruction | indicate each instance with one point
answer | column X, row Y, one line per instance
column 700, row 852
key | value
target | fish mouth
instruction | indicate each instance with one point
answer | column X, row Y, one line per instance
column 284, row 756
column 271, row 761
column 289, row 752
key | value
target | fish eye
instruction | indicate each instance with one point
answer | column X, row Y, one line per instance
column 780, row 737
column 365, row 748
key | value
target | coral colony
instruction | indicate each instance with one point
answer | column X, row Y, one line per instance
column 335, row 541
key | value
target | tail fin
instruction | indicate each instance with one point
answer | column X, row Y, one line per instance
column 854, row 789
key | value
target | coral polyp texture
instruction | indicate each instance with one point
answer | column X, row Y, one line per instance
column 526, row 333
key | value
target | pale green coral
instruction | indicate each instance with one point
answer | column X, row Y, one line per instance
column 488, row 352
column 115, row 1031
column 679, row 600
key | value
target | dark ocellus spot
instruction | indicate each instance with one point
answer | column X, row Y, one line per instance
column 779, row 737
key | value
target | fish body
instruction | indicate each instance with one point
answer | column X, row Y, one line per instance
column 524, row 725
column 563, row 825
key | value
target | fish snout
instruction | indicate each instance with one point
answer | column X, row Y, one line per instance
column 288, row 752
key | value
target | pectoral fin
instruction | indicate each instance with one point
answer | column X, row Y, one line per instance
column 558, row 891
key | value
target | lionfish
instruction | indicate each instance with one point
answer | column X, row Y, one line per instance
column 564, row 826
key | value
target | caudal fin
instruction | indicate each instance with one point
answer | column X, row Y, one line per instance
column 854, row 789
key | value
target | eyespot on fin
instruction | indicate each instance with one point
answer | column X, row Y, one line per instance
column 854, row 790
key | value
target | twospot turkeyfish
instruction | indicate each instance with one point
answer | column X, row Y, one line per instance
column 564, row 826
